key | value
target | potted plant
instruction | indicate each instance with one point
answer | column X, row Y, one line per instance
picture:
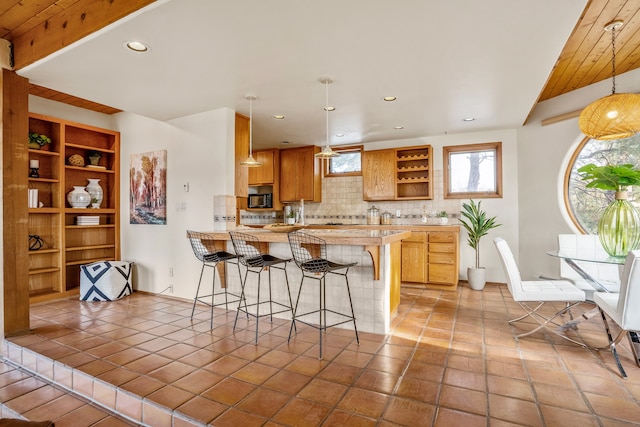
column 477, row 224
column 94, row 157
column 291, row 217
column 37, row 140
column 443, row 217
column 619, row 225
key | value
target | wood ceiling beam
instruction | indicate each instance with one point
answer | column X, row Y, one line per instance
column 70, row 25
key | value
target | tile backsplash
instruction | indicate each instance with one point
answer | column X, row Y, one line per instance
column 342, row 203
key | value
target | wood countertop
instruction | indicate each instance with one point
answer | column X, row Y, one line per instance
column 336, row 235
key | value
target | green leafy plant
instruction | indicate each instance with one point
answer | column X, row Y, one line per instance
column 38, row 138
column 610, row 177
column 477, row 224
column 442, row 214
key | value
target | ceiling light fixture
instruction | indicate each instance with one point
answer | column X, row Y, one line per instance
column 278, row 117
column 615, row 116
column 389, row 98
column 136, row 46
column 398, row 127
column 468, row 119
column 327, row 152
column 251, row 162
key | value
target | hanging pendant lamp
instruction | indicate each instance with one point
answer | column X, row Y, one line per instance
column 327, row 152
column 251, row 162
column 615, row 116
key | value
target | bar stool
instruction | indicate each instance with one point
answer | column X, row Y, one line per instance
column 210, row 258
column 310, row 255
column 250, row 255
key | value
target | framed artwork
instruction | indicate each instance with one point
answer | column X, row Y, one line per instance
column 148, row 188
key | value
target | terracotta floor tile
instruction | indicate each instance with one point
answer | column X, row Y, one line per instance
column 567, row 398
column 302, row 413
column 449, row 417
column 202, row 409
column 463, row 399
column 226, row 365
column 147, row 363
column 339, row 373
column 615, row 408
column 364, row 402
column 382, row 382
column 599, row 385
column 406, row 412
column 554, row 416
column 171, row 372
column 287, row 382
column 126, row 356
column 513, row 410
column 519, row 389
column 416, row 389
column 277, row 358
column 170, row 396
column 177, row 351
column 229, row 391
column 83, row 416
column 325, row 392
column 387, row 364
column 255, row 373
column 234, row 418
column 142, row 386
column 118, row 376
column 198, row 381
column 339, row 418
column 263, row 402
column 33, row 399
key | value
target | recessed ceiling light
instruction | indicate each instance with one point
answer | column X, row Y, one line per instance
column 137, row 46
column 340, row 135
column 278, row 117
column 329, row 108
column 398, row 127
column 389, row 98
column 285, row 142
column 468, row 119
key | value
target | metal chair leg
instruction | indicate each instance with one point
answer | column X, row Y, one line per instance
column 612, row 343
column 195, row 300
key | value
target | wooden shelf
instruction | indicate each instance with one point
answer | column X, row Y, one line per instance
column 54, row 270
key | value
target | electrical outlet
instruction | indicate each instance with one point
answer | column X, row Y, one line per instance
column 185, row 187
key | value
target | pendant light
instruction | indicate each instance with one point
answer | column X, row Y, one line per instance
column 251, row 162
column 327, row 152
column 615, row 116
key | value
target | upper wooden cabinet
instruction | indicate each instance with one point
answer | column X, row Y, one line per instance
column 264, row 174
column 379, row 174
column 300, row 174
column 397, row 174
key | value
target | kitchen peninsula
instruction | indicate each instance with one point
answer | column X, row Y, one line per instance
column 375, row 280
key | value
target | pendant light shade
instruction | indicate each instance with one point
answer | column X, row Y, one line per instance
column 250, row 161
column 327, row 152
column 615, row 116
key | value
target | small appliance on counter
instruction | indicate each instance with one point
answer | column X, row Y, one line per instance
column 260, row 201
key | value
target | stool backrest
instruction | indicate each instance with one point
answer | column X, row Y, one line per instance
column 309, row 252
column 511, row 270
column 203, row 246
column 247, row 248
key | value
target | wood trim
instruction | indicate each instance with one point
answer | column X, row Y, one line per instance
column 14, row 104
column 70, row 25
column 560, row 118
column 497, row 146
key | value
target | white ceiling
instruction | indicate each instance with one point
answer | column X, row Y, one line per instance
column 444, row 60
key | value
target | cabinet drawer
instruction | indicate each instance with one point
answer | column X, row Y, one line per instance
column 448, row 248
column 442, row 237
column 416, row 236
column 441, row 258
column 442, row 273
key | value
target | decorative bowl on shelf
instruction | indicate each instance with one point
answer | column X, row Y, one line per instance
column 280, row 227
column 76, row 160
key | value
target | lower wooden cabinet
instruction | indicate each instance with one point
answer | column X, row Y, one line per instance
column 432, row 258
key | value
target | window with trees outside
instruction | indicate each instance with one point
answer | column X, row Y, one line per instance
column 472, row 171
column 348, row 163
column 585, row 205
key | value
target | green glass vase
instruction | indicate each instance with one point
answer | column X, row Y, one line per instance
column 619, row 227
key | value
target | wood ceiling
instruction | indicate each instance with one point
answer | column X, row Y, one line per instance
column 40, row 28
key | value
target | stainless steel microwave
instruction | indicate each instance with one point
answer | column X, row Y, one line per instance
column 257, row 201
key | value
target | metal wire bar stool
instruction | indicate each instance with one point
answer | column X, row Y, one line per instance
column 250, row 254
column 205, row 251
column 310, row 255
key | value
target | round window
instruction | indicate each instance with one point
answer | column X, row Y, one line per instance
column 585, row 205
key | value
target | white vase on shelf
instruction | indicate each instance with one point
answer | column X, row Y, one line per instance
column 78, row 197
column 95, row 191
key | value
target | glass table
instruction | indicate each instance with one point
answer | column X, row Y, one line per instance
column 573, row 258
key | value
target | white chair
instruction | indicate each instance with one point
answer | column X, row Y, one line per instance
column 538, row 291
column 623, row 307
column 589, row 247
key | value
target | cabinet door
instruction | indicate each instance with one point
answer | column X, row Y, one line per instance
column 241, row 153
column 414, row 258
column 300, row 175
column 378, row 174
column 263, row 174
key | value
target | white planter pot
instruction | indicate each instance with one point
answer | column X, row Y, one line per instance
column 477, row 278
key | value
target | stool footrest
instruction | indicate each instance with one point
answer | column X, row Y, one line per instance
column 245, row 309
column 347, row 318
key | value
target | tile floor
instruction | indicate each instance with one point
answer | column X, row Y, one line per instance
column 450, row 360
